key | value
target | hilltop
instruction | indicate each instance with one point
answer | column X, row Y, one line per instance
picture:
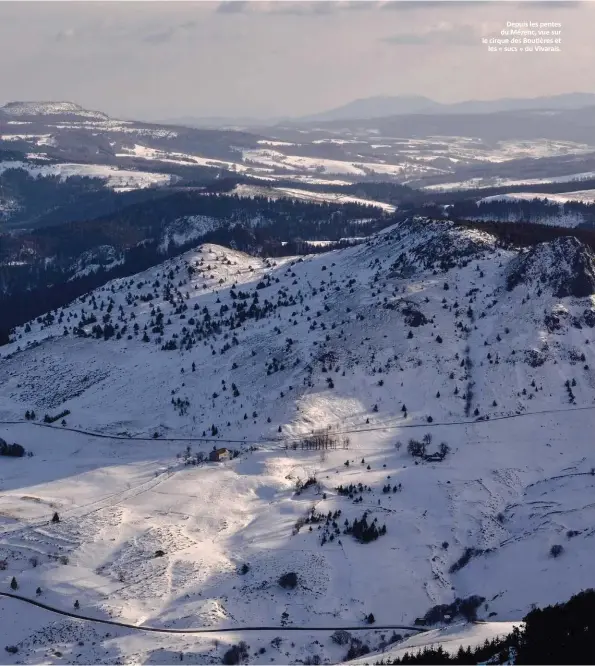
column 24, row 109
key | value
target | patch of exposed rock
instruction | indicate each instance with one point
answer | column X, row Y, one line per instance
column 565, row 266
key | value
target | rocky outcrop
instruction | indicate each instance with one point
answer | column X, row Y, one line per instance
column 565, row 266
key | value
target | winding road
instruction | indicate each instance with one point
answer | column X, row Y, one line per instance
column 280, row 440
column 203, row 630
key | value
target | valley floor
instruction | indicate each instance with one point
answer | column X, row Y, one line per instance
column 212, row 518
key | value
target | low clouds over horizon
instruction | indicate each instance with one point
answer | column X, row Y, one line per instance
column 445, row 35
column 159, row 60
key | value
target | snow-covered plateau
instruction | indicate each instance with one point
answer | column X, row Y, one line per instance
column 427, row 379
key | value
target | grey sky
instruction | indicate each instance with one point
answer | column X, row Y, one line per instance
column 170, row 59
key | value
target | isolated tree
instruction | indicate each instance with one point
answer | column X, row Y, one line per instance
column 288, row 580
column 13, row 584
column 444, row 449
column 415, row 448
column 55, row 518
column 236, row 654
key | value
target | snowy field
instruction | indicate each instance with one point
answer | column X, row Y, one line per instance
column 119, row 179
column 479, row 183
column 274, row 159
column 412, row 333
column 172, row 157
column 582, row 196
column 305, row 195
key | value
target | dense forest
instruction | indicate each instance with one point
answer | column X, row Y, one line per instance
column 284, row 219
column 42, row 201
column 35, row 196
column 524, row 234
column 540, row 211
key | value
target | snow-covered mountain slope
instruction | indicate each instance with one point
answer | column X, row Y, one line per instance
column 566, row 266
column 426, row 329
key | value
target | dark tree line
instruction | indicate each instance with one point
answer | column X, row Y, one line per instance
column 525, row 234
column 474, row 194
column 560, row 634
column 49, row 200
column 534, row 211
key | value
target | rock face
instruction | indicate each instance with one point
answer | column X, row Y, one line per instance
column 443, row 246
column 438, row 245
column 413, row 316
column 565, row 266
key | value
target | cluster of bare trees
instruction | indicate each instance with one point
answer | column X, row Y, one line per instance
column 419, row 449
column 320, row 440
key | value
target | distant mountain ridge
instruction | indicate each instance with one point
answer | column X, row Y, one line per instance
column 384, row 106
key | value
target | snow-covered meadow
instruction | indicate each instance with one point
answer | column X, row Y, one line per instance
column 119, row 179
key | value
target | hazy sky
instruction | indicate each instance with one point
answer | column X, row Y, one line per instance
column 159, row 60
